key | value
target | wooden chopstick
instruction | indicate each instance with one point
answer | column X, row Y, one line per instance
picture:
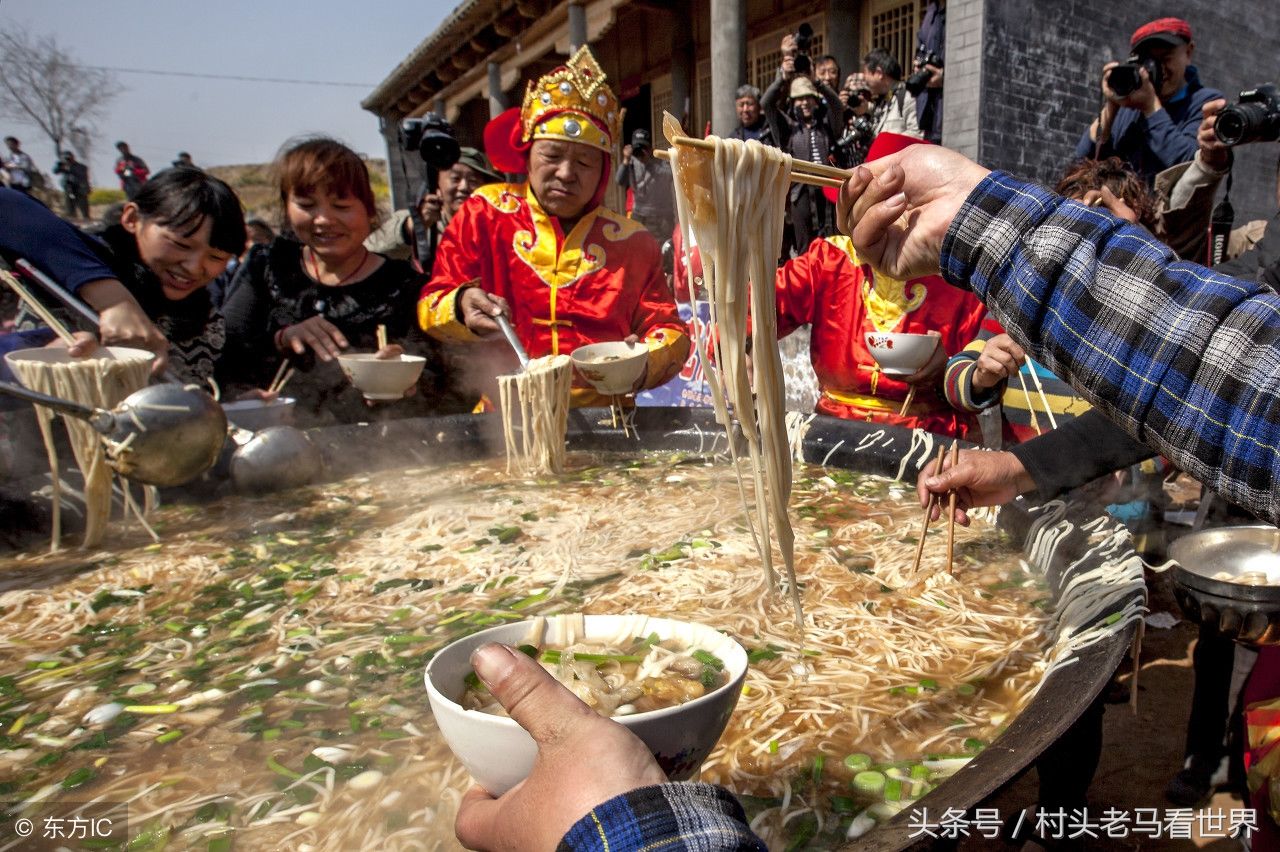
column 38, row 308
column 1031, row 404
column 928, row 510
column 280, row 371
column 906, row 403
column 800, row 166
column 382, row 337
column 951, row 514
column 278, row 387
column 797, row 176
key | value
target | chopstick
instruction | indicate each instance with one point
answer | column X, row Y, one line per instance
column 906, row 403
column 797, row 175
column 382, row 337
column 278, row 387
column 951, row 514
column 283, row 374
column 1031, row 405
column 38, row 308
column 928, row 510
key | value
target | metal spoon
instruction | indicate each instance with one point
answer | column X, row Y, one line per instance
column 510, row 334
column 172, row 434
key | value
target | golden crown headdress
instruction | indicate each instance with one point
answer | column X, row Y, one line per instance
column 572, row 103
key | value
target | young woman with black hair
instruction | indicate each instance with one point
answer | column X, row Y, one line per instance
column 177, row 234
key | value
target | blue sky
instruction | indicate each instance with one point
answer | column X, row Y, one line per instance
column 225, row 122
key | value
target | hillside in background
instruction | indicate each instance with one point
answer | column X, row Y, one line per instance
column 251, row 182
column 254, row 186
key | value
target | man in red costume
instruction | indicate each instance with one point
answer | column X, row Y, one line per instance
column 565, row 269
column 844, row 299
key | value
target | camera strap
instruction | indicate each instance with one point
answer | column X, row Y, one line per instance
column 1220, row 224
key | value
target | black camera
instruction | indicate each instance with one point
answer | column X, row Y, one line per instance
column 1254, row 118
column 856, row 141
column 1126, row 78
column 432, row 137
column 804, row 41
column 919, row 79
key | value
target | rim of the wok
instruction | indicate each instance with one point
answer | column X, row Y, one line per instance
column 847, row 444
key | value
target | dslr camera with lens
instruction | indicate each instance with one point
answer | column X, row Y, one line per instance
column 1254, row 118
column 432, row 137
column 804, row 41
column 1126, row 78
column 919, row 79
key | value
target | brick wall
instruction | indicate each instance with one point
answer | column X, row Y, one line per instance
column 1039, row 66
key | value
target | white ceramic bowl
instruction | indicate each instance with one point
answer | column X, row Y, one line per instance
column 901, row 354
column 499, row 753
column 611, row 368
column 58, row 354
column 256, row 414
column 382, row 378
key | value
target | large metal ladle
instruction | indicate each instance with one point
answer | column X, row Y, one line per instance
column 170, row 434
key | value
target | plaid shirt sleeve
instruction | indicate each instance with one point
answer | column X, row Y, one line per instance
column 697, row 817
column 1182, row 358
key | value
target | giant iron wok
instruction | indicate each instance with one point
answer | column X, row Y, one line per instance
column 862, row 447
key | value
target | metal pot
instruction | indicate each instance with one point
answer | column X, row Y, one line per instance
column 1245, row 613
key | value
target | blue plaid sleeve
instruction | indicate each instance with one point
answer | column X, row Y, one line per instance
column 698, row 817
column 1182, row 358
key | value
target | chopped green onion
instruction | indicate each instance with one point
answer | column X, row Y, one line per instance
column 708, row 659
column 857, row 762
column 280, row 769
column 966, row 689
column 152, row 709
column 869, row 782
column 81, row 776
column 818, row 763
column 892, row 790
column 773, row 746
column 169, row 736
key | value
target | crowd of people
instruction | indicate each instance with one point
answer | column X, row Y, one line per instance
column 1081, row 308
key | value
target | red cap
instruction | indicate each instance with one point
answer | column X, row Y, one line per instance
column 1170, row 31
column 882, row 146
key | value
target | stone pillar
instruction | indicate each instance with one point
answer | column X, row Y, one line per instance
column 728, row 61
column 577, row 26
column 497, row 100
column 842, row 35
column 962, row 103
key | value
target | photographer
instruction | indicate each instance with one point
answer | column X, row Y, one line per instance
column 751, row 120
column 852, row 146
column 925, row 82
column 652, row 184
column 1151, row 104
column 397, row 239
column 75, row 185
column 131, row 170
column 894, row 108
column 807, row 130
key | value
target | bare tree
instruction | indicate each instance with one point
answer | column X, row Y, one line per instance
column 42, row 84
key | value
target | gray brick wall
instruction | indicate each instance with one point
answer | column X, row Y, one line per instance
column 1040, row 61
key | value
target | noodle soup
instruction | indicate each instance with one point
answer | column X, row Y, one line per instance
column 258, row 674
column 620, row 679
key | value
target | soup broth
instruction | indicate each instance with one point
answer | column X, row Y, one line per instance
column 258, row 675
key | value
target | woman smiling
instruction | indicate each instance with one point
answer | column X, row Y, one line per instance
column 316, row 291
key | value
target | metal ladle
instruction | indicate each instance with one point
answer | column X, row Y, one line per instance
column 510, row 334
column 160, row 435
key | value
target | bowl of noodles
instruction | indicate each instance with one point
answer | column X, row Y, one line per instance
column 674, row 684
column 611, row 368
